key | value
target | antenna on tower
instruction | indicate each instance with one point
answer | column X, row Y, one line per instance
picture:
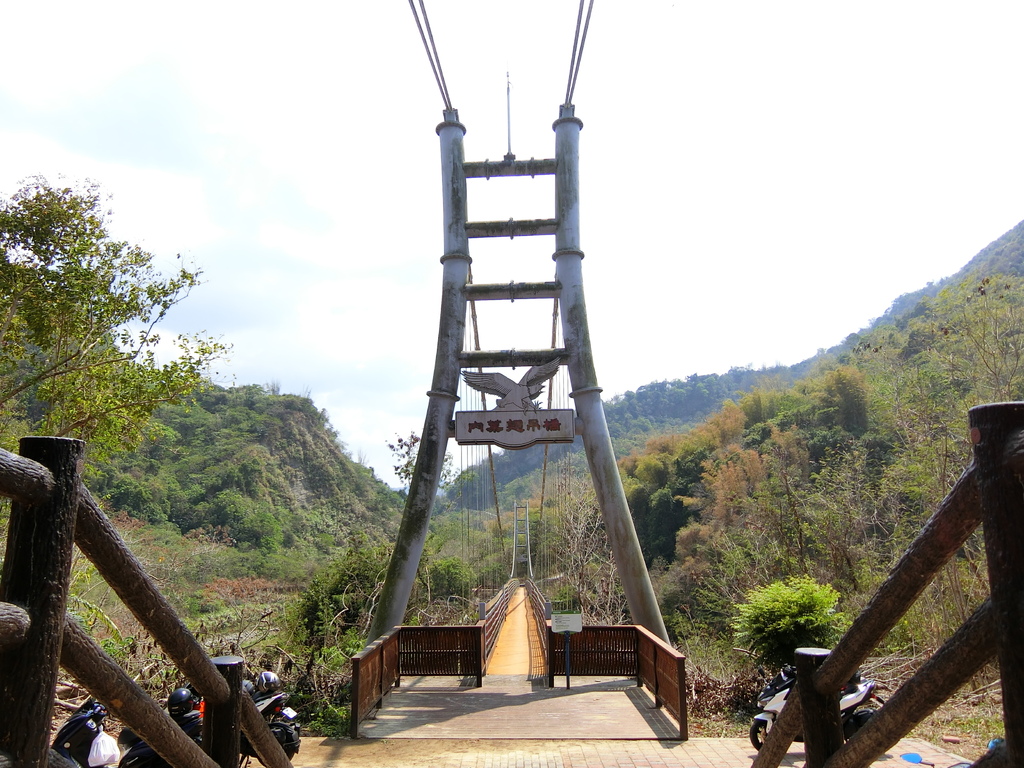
column 508, row 113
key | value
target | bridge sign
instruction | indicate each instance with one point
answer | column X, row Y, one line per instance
column 566, row 621
column 509, row 428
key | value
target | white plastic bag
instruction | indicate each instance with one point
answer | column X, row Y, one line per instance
column 104, row 750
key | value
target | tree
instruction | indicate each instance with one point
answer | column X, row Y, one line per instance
column 78, row 318
column 584, row 557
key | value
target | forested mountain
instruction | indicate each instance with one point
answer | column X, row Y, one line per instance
column 1004, row 256
column 670, row 406
column 663, row 406
column 832, row 476
column 826, row 469
column 251, row 468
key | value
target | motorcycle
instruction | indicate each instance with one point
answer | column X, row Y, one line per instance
column 183, row 705
column 855, row 694
column 270, row 702
column 82, row 739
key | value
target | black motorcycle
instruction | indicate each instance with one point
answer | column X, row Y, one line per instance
column 182, row 705
column 271, row 702
column 82, row 737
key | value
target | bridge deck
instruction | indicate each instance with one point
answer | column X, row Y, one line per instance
column 514, row 721
column 518, row 649
column 515, row 707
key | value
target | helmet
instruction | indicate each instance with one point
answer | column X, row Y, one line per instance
column 180, row 702
column 267, row 682
column 248, row 688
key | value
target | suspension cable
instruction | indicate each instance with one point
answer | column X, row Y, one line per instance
column 431, row 49
column 551, row 393
column 490, row 449
column 577, row 51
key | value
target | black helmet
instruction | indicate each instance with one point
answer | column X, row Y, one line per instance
column 180, row 702
column 268, row 682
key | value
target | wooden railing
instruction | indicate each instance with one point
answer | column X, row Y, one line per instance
column 597, row 650
column 494, row 616
column 374, row 674
column 663, row 671
column 538, row 604
column 988, row 493
column 51, row 511
column 625, row 651
column 412, row 651
column 456, row 650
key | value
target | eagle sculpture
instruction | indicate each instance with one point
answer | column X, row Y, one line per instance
column 512, row 395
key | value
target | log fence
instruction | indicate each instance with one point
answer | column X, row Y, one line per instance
column 51, row 509
column 989, row 493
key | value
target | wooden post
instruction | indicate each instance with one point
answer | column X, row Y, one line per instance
column 551, row 654
column 956, row 662
column 997, row 432
column 481, row 655
column 684, row 726
column 823, row 724
column 36, row 575
column 104, row 679
column 221, row 739
column 942, row 536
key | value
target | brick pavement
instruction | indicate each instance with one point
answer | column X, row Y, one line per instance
column 523, row 753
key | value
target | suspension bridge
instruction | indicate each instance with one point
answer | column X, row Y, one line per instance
column 514, row 642
column 631, row 683
column 497, row 678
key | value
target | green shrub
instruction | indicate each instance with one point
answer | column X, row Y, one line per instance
column 786, row 615
column 329, row 720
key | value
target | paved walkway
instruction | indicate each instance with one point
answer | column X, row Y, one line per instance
column 515, row 721
column 573, row 753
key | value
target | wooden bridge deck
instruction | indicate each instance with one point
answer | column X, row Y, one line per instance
column 515, row 720
column 516, row 707
column 515, row 702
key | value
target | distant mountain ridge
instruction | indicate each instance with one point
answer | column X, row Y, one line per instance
column 1004, row 255
column 674, row 406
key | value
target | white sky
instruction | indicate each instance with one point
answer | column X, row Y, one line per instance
column 758, row 179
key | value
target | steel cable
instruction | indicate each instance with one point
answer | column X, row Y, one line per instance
column 431, row 49
column 577, row 51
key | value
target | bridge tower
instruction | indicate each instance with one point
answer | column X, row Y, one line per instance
column 522, row 563
column 451, row 359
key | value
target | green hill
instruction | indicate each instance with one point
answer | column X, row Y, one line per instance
column 259, row 471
